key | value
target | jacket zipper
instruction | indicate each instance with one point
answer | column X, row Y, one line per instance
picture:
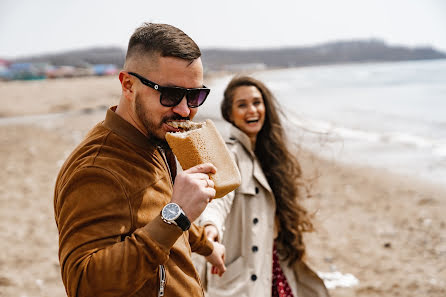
column 162, row 270
column 162, row 273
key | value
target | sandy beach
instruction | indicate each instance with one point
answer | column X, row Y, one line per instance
column 388, row 231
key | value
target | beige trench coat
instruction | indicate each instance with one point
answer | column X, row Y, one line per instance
column 245, row 221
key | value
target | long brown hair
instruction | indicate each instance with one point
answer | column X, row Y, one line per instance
column 280, row 167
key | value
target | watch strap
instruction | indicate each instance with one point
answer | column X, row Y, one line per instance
column 183, row 222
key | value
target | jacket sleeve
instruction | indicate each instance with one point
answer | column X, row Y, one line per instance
column 98, row 257
column 198, row 241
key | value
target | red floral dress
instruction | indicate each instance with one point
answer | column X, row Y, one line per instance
column 280, row 287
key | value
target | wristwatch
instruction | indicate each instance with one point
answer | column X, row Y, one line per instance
column 173, row 214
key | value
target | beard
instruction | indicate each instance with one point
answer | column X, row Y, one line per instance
column 154, row 129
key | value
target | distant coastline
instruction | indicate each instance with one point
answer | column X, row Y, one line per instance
column 218, row 59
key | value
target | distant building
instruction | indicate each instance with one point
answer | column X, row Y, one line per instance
column 105, row 69
column 60, row 71
column 4, row 63
column 27, row 71
column 4, row 71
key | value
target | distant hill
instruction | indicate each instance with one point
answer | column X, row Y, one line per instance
column 220, row 59
column 328, row 53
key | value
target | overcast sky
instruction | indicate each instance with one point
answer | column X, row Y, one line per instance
column 45, row 26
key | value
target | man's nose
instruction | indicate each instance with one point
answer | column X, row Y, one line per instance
column 182, row 109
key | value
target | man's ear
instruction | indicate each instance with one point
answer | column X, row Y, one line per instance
column 127, row 86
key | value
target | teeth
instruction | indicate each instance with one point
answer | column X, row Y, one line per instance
column 178, row 124
column 186, row 125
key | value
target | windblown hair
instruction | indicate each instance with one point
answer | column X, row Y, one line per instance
column 280, row 167
column 163, row 39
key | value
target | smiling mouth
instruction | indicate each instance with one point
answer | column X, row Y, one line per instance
column 252, row 121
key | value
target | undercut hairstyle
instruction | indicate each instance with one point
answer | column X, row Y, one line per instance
column 281, row 169
column 162, row 39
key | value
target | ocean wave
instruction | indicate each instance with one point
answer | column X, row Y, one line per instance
column 334, row 131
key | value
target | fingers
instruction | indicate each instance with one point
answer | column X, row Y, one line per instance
column 201, row 172
column 202, row 168
column 203, row 181
column 200, row 179
column 204, row 177
column 197, row 175
column 209, row 183
column 215, row 270
column 211, row 232
column 193, row 189
column 220, row 269
column 211, row 193
column 217, row 259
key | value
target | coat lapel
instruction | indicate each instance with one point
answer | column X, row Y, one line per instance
column 237, row 134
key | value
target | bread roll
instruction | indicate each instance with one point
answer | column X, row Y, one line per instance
column 202, row 143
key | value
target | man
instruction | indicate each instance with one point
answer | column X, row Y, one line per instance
column 124, row 226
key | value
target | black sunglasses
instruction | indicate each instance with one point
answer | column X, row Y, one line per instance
column 172, row 96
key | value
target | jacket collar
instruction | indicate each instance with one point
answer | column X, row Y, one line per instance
column 239, row 135
column 244, row 140
column 124, row 129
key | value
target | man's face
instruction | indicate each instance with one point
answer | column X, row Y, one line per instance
column 170, row 72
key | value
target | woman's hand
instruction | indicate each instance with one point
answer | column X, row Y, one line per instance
column 211, row 232
column 217, row 259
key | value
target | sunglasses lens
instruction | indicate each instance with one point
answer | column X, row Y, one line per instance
column 196, row 97
column 171, row 96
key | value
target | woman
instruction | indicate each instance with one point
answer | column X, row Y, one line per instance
column 260, row 223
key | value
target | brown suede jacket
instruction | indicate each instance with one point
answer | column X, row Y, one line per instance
column 107, row 203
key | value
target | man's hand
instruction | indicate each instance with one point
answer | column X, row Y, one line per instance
column 217, row 259
column 193, row 189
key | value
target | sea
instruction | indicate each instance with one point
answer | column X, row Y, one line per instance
column 388, row 116
column 384, row 115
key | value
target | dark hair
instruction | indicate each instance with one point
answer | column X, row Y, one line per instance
column 280, row 167
column 166, row 40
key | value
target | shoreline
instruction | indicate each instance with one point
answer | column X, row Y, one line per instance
column 385, row 229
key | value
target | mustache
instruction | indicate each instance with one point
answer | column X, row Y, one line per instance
column 175, row 118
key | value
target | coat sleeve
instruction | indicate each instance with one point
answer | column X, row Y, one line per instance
column 216, row 213
column 218, row 209
column 97, row 254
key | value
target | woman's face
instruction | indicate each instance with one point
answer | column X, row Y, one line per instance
column 248, row 110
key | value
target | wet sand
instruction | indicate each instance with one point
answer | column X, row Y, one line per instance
column 386, row 230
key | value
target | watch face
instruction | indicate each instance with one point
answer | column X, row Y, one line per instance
column 171, row 211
